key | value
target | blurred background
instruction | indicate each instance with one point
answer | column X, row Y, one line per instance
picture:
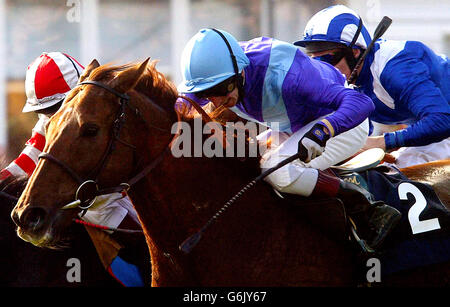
column 132, row 30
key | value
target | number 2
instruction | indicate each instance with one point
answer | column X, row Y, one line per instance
column 416, row 209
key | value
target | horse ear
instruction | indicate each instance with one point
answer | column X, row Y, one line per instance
column 127, row 79
column 87, row 71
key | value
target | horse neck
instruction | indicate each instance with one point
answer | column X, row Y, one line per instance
column 183, row 193
column 179, row 196
column 181, row 187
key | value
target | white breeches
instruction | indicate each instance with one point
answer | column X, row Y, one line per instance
column 409, row 156
column 298, row 177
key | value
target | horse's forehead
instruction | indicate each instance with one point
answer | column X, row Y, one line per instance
column 93, row 99
column 78, row 114
column 64, row 115
column 87, row 103
column 58, row 122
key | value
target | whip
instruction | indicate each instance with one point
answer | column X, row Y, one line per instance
column 379, row 31
column 192, row 241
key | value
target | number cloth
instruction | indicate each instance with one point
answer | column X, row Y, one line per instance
column 423, row 234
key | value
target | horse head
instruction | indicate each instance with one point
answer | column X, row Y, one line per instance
column 90, row 143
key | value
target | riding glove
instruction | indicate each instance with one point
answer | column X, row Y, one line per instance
column 312, row 144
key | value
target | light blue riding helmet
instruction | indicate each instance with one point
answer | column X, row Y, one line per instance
column 336, row 24
column 206, row 60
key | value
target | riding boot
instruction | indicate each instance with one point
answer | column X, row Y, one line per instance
column 373, row 220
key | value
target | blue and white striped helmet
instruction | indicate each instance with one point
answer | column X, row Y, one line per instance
column 336, row 24
column 206, row 60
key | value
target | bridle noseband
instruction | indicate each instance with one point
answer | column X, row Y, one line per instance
column 88, row 190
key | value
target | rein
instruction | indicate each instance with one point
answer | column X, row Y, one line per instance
column 78, row 221
column 206, row 118
column 188, row 244
column 88, row 190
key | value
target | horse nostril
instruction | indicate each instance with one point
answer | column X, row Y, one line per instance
column 34, row 218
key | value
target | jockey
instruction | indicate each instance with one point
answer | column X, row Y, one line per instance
column 272, row 82
column 408, row 83
column 48, row 79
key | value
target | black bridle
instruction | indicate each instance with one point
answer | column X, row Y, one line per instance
column 88, row 190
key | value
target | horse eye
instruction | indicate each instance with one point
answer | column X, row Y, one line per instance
column 89, row 130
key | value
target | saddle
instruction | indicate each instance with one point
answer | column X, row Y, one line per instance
column 330, row 216
column 366, row 160
column 421, row 238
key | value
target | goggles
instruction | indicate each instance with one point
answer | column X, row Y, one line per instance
column 331, row 58
column 222, row 89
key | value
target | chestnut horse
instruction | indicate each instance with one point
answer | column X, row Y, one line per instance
column 24, row 265
column 109, row 137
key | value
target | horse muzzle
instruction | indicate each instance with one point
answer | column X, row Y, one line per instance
column 30, row 219
column 35, row 225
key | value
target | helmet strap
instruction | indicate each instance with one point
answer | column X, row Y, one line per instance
column 233, row 57
column 239, row 79
column 351, row 60
column 358, row 31
column 74, row 66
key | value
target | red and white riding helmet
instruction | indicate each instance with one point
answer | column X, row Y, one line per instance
column 49, row 77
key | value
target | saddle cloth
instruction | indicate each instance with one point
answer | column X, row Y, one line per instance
column 422, row 237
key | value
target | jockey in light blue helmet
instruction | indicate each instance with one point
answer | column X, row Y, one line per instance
column 211, row 57
column 335, row 27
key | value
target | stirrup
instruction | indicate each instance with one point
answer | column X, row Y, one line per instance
column 362, row 243
column 278, row 193
column 366, row 249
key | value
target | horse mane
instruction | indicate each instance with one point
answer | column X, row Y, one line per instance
column 152, row 84
column 155, row 86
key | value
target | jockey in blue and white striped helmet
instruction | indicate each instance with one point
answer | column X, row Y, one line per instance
column 407, row 81
column 336, row 27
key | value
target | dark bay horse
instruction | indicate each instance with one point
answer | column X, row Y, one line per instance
column 259, row 242
column 24, row 265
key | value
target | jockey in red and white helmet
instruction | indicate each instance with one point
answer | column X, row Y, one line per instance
column 49, row 77
column 48, row 80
